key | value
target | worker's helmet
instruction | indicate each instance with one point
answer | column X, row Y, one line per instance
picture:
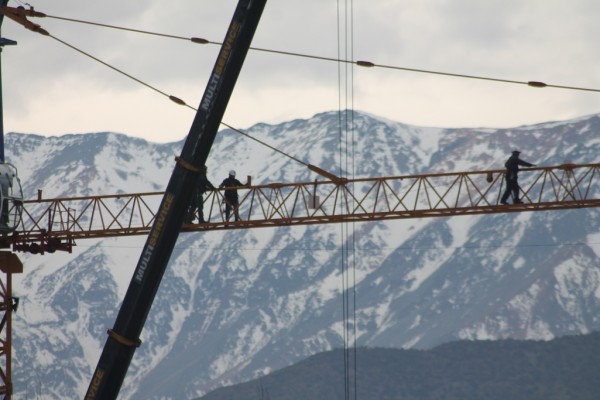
column 516, row 152
column 232, row 173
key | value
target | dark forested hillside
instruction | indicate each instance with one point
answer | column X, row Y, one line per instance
column 567, row 368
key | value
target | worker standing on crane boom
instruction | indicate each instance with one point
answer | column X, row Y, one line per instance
column 123, row 339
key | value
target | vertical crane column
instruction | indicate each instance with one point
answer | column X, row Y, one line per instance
column 9, row 264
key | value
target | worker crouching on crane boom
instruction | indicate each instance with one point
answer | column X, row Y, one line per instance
column 512, row 172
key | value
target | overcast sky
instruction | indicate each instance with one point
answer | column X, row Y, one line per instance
column 50, row 89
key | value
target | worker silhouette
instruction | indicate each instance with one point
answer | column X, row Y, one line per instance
column 197, row 204
column 511, row 176
column 231, row 195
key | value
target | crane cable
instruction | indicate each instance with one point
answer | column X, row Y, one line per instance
column 343, row 249
column 20, row 17
column 353, row 169
column 346, row 157
column 360, row 63
column 172, row 98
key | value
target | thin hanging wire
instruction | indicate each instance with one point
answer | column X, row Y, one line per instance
column 341, row 88
column 361, row 63
column 353, row 142
column 174, row 99
column 346, row 167
column 346, row 226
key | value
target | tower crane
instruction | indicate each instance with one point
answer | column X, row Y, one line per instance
column 44, row 225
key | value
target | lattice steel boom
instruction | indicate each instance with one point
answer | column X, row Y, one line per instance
column 55, row 224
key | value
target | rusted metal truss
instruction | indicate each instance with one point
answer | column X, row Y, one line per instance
column 54, row 224
column 5, row 342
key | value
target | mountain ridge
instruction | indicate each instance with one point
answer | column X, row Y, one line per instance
column 236, row 305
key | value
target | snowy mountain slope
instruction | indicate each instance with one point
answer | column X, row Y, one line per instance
column 235, row 305
column 90, row 164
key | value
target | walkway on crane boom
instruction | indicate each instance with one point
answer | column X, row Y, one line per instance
column 54, row 224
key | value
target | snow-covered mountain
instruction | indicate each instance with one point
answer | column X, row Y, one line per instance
column 234, row 305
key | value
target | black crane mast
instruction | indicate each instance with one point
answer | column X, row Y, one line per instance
column 123, row 338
